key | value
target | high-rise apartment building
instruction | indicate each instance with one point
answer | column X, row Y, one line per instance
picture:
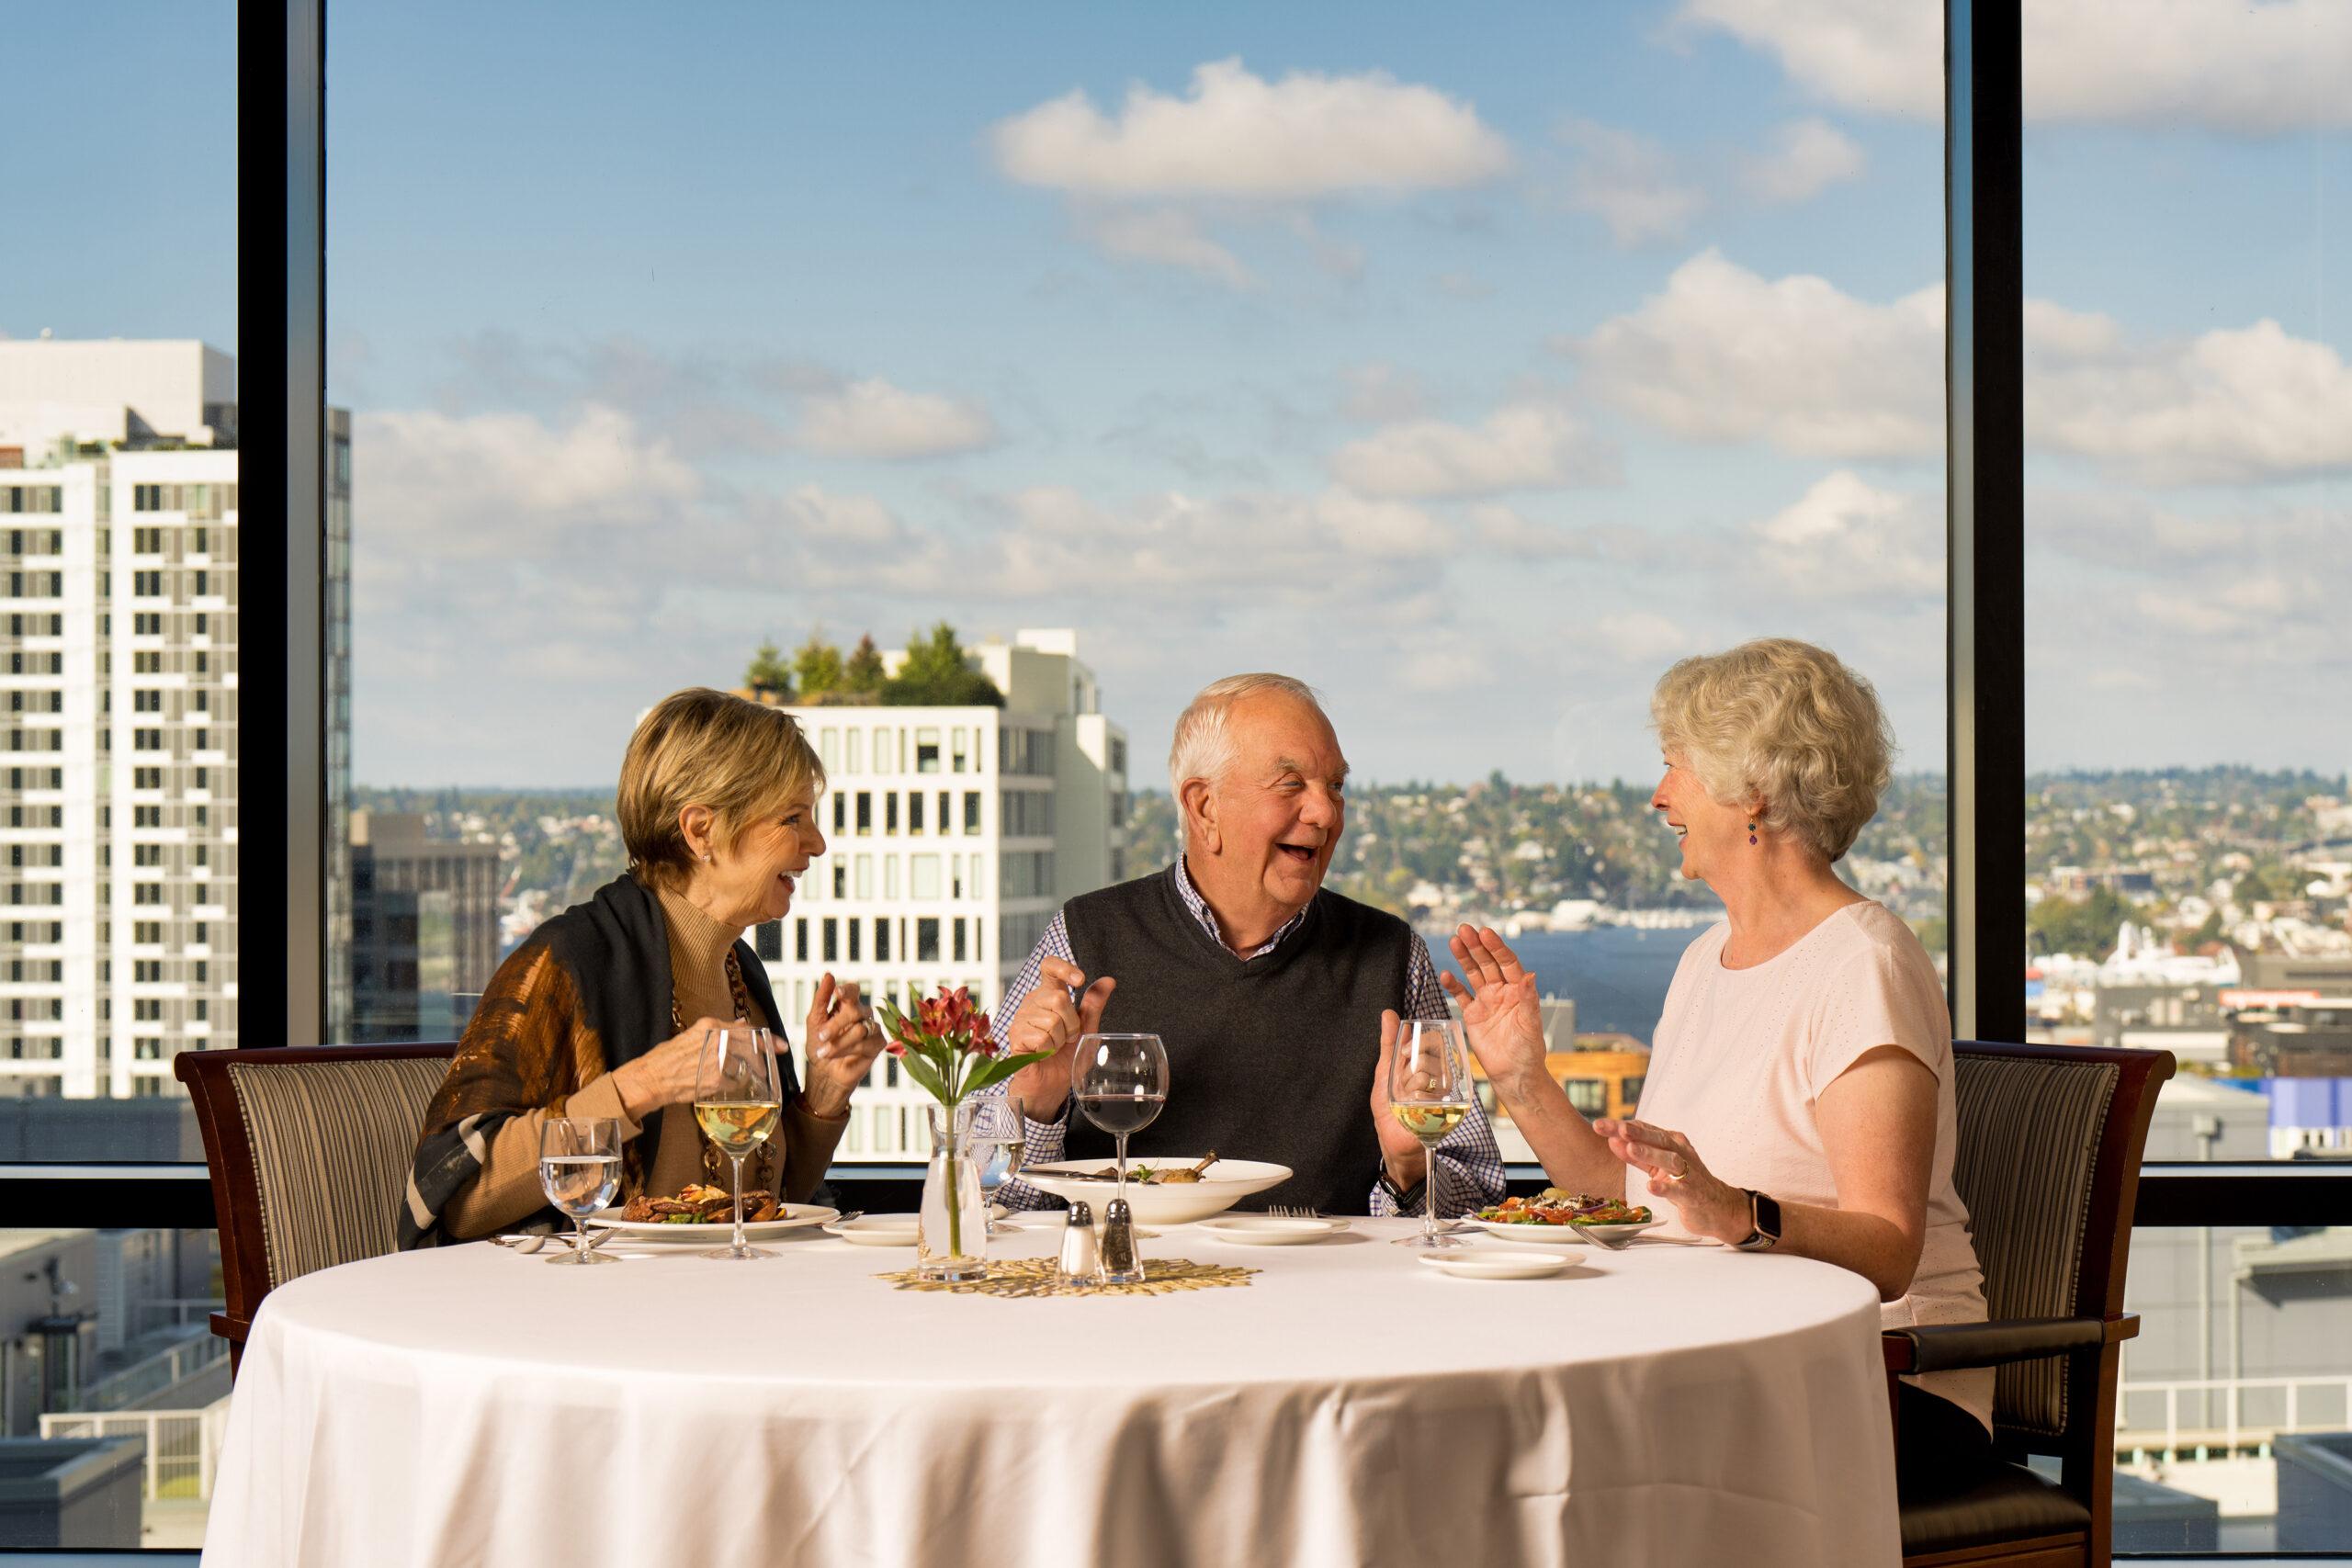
column 953, row 834
column 119, row 522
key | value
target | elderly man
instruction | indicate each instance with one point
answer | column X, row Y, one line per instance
column 1267, row 988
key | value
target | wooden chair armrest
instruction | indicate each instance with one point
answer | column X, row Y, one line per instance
column 1943, row 1347
column 233, row 1329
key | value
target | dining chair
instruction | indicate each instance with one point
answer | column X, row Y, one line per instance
column 309, row 1152
column 2048, row 1166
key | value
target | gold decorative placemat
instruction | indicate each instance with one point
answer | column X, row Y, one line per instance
column 1042, row 1277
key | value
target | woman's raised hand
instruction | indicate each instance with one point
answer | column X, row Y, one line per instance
column 843, row 1040
column 667, row 1074
column 1500, row 1009
column 1705, row 1204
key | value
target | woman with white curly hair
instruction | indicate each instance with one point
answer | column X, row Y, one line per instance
column 1799, row 1097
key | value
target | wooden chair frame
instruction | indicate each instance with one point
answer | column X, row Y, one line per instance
column 2091, row 1339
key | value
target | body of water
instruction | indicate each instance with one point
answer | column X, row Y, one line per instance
column 1618, row 974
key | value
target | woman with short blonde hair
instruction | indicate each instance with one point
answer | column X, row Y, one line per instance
column 589, row 1018
column 1804, row 1049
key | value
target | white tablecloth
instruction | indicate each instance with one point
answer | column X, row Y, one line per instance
column 1661, row 1406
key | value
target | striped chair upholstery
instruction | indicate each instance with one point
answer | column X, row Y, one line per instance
column 331, row 1143
column 2029, row 1136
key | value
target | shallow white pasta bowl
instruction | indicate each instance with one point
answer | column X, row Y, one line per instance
column 1221, row 1186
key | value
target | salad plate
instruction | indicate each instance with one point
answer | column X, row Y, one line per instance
column 1481, row 1264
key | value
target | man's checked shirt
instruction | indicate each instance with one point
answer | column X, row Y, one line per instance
column 1466, row 1169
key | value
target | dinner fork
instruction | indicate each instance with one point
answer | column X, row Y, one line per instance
column 1285, row 1212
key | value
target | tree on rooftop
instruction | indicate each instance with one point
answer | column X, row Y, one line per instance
column 863, row 674
column 936, row 674
column 768, row 672
column 818, row 667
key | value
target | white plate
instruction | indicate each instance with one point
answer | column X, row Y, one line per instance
column 880, row 1230
column 1535, row 1234
column 797, row 1216
column 1481, row 1264
column 1267, row 1230
column 1223, row 1185
column 1624, row 1232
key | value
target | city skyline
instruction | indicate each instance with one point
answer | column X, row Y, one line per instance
column 1471, row 393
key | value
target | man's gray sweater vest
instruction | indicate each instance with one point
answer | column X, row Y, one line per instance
column 1268, row 1059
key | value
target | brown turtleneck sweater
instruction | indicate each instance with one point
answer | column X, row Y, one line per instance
column 508, row 1188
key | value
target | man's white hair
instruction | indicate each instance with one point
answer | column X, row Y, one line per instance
column 1204, row 746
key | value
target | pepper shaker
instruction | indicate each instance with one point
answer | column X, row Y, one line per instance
column 1120, row 1264
column 1079, row 1264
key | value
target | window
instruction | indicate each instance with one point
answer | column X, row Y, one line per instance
column 832, row 939
column 2186, row 884
column 971, row 811
column 865, row 811
column 891, row 811
column 914, row 811
column 927, row 939
column 927, row 749
column 923, row 876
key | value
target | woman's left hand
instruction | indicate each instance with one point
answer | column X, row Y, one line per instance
column 1704, row 1204
column 843, row 1041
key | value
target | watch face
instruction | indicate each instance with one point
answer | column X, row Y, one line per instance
column 1768, row 1215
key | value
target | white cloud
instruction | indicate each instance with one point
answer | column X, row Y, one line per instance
column 1170, row 236
column 1724, row 355
column 2233, row 404
column 873, row 419
column 1847, row 538
column 1629, row 182
column 817, row 516
column 1641, row 636
column 1806, row 157
column 1524, row 446
column 2262, row 67
column 1238, row 135
column 499, row 483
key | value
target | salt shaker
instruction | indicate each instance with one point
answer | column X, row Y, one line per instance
column 1120, row 1264
column 1080, row 1265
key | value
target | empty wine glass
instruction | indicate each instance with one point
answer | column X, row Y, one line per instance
column 999, row 1135
column 1120, row 1082
column 738, row 1103
column 1429, row 1093
column 580, row 1167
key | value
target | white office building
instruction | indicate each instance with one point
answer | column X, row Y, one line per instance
column 119, row 522
column 953, row 835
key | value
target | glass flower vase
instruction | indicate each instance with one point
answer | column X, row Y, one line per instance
column 952, row 1240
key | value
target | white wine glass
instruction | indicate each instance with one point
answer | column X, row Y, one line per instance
column 999, row 1136
column 1429, row 1093
column 738, row 1103
column 580, row 1168
column 1120, row 1081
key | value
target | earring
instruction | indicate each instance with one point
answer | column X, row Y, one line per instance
column 1751, row 836
column 705, row 854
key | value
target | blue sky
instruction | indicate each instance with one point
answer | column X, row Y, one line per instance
column 1471, row 372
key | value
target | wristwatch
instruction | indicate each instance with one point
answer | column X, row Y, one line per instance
column 1764, row 1222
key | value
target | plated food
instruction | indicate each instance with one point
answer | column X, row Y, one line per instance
column 1218, row 1185
column 697, row 1204
column 1558, row 1206
column 683, row 1221
column 1149, row 1175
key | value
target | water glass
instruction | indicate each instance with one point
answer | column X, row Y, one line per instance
column 580, row 1168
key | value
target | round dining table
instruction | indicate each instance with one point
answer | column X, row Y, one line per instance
column 1666, row 1404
